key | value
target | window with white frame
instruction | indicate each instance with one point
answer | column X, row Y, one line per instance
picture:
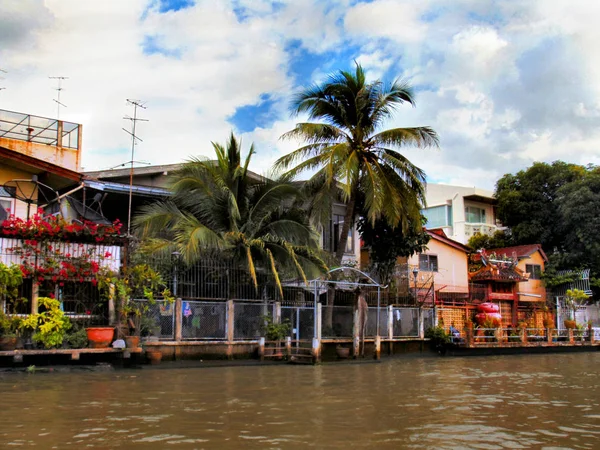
column 534, row 271
column 474, row 214
column 428, row 263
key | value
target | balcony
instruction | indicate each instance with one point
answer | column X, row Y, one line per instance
column 483, row 228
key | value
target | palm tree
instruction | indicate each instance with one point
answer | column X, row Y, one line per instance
column 348, row 151
column 216, row 206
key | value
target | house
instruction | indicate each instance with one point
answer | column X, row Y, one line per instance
column 151, row 182
column 460, row 211
column 446, row 264
column 531, row 260
column 40, row 157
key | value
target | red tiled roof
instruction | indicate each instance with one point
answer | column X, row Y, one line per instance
column 498, row 273
column 439, row 235
column 521, row 251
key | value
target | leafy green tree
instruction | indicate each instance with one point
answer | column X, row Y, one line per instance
column 386, row 244
column 216, row 206
column 498, row 240
column 527, row 203
column 347, row 149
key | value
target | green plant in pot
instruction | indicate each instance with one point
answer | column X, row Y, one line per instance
column 574, row 299
column 49, row 326
column 9, row 332
column 139, row 282
column 275, row 333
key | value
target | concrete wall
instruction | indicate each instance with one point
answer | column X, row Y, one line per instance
column 8, row 173
column 452, row 265
column 535, row 287
column 60, row 156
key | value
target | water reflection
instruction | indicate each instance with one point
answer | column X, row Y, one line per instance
column 537, row 401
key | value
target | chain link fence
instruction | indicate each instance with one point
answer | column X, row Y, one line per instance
column 158, row 318
column 372, row 322
column 203, row 320
column 405, row 322
column 248, row 319
column 342, row 323
column 302, row 320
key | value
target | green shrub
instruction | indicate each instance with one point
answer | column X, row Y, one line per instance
column 438, row 335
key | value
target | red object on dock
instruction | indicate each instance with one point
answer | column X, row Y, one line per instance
column 488, row 308
column 100, row 337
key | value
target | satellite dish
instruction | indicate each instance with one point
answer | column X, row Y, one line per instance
column 31, row 192
column 92, row 212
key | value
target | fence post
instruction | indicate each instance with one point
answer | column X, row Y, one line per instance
column 112, row 317
column 390, row 322
column 356, row 334
column 230, row 330
column 549, row 335
column 35, row 293
column 377, row 347
column 261, row 348
column 571, row 338
column 523, row 334
column 288, row 347
column 277, row 313
column 316, row 342
column 421, row 324
column 178, row 319
column 499, row 335
column 469, row 334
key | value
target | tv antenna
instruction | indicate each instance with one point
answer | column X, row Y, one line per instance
column 2, row 78
column 58, row 88
column 134, row 120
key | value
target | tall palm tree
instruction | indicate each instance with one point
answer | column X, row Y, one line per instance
column 216, row 206
column 348, row 150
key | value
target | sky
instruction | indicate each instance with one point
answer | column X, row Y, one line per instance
column 503, row 82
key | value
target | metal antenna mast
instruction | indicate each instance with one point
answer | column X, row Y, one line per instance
column 136, row 104
column 2, row 78
column 59, row 88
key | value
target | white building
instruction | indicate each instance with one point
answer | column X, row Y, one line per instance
column 460, row 211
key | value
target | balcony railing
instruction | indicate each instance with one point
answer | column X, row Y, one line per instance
column 483, row 228
column 42, row 130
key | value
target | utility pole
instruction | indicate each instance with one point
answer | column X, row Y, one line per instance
column 134, row 120
column 58, row 89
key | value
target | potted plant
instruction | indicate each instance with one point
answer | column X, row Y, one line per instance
column 574, row 299
column 9, row 327
column 50, row 325
column 274, row 334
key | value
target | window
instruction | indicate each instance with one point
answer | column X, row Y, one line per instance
column 5, row 208
column 534, row 271
column 428, row 263
column 474, row 215
column 438, row 216
column 338, row 223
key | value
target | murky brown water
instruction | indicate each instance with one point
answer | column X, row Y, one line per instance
column 538, row 401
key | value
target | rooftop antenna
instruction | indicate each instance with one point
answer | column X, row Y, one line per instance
column 2, row 78
column 59, row 88
column 134, row 120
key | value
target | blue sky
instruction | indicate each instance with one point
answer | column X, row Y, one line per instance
column 503, row 83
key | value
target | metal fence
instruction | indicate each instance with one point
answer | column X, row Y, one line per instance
column 405, row 322
column 342, row 324
column 248, row 319
column 372, row 322
column 158, row 318
column 203, row 320
column 26, row 127
column 301, row 319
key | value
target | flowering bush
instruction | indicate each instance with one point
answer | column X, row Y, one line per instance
column 42, row 260
column 56, row 228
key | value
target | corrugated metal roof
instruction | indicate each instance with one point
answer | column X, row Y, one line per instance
column 120, row 188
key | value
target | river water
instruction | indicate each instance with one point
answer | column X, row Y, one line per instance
column 533, row 401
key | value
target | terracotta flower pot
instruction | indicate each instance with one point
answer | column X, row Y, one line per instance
column 132, row 341
column 8, row 344
column 100, row 337
column 154, row 356
column 570, row 324
column 342, row 352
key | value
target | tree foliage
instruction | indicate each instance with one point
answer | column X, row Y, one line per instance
column 386, row 244
column 348, row 149
column 219, row 207
column 498, row 240
column 558, row 206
